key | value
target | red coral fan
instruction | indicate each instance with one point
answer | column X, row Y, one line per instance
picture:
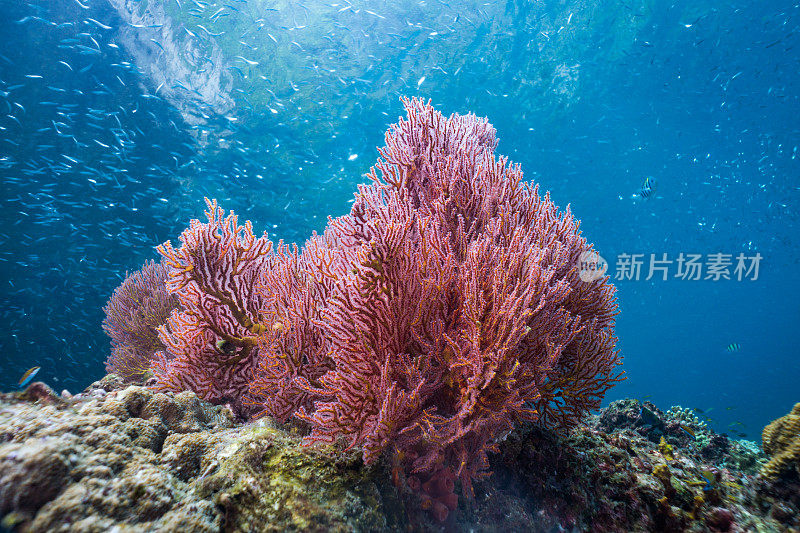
column 457, row 308
column 293, row 361
column 446, row 307
column 212, row 344
column 133, row 313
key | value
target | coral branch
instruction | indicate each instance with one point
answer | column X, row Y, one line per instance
column 458, row 309
column 213, row 342
column 445, row 308
column 137, row 307
column 291, row 367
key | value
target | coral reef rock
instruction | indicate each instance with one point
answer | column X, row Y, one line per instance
column 126, row 458
column 169, row 462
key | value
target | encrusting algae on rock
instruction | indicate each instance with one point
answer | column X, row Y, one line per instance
column 118, row 456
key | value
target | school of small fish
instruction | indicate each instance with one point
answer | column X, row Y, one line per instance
column 115, row 122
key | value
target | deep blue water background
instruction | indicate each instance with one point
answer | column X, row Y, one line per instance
column 704, row 98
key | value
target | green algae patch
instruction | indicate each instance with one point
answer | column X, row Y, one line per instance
column 266, row 479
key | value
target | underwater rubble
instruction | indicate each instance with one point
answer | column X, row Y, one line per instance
column 125, row 458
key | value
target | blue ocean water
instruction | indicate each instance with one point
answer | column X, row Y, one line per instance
column 118, row 116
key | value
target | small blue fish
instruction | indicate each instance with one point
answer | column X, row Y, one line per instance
column 733, row 347
column 648, row 187
column 709, row 477
column 28, row 376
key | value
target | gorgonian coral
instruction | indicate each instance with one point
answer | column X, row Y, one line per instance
column 137, row 307
column 292, row 362
column 453, row 307
column 212, row 342
column 446, row 307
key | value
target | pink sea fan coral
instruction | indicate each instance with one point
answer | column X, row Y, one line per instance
column 446, row 307
column 292, row 362
column 458, row 309
column 212, row 343
column 138, row 306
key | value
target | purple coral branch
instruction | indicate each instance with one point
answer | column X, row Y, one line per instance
column 138, row 306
